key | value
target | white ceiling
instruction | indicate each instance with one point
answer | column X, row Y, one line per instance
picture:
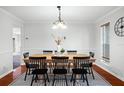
column 46, row 13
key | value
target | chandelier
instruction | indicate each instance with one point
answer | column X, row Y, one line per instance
column 59, row 23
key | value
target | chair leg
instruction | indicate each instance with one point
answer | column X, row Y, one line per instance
column 29, row 71
column 88, row 70
column 32, row 80
column 44, row 79
column 49, row 68
column 26, row 75
column 36, row 78
column 92, row 73
column 69, row 68
column 86, row 79
column 66, row 80
column 47, row 77
column 74, row 80
column 82, row 77
column 71, row 77
column 53, row 80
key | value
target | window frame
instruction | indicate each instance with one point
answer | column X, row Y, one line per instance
column 105, row 42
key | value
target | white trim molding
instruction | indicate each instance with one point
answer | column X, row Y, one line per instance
column 118, row 8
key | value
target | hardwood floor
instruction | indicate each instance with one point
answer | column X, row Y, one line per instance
column 114, row 81
column 5, row 81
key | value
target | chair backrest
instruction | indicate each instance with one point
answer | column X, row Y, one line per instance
column 71, row 51
column 80, row 61
column 55, row 51
column 40, row 62
column 26, row 54
column 47, row 52
column 60, row 61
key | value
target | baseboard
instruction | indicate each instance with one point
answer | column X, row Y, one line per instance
column 5, row 74
column 109, row 71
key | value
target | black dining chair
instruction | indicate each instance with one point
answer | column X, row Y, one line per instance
column 89, row 66
column 41, row 68
column 79, row 70
column 60, row 65
column 26, row 54
column 55, row 51
column 29, row 67
column 71, row 51
column 47, row 52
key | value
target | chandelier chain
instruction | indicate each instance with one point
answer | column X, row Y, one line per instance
column 59, row 23
column 59, row 8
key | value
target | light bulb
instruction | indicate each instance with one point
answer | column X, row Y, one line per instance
column 59, row 24
column 64, row 27
column 54, row 26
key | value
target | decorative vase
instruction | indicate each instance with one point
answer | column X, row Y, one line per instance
column 58, row 49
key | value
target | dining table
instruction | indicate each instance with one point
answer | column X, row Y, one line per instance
column 49, row 57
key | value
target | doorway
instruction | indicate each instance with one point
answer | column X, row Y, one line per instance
column 16, row 37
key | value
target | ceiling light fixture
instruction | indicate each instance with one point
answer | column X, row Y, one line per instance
column 59, row 23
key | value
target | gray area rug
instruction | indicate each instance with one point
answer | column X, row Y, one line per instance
column 98, row 81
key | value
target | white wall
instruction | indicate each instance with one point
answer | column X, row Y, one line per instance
column 115, row 66
column 7, row 22
column 79, row 36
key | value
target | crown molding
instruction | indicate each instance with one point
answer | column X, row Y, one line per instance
column 111, row 12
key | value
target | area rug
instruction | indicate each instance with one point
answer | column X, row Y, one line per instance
column 98, row 81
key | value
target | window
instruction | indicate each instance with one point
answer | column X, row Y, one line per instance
column 105, row 44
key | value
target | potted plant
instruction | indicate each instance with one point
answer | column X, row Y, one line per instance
column 62, row 50
column 91, row 54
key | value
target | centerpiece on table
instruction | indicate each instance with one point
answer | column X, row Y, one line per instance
column 59, row 40
column 62, row 50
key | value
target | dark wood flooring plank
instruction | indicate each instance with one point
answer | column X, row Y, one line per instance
column 5, row 81
column 114, row 81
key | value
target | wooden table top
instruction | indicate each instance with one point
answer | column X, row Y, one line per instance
column 48, row 56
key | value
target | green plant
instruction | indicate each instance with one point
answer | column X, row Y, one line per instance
column 62, row 50
column 91, row 54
